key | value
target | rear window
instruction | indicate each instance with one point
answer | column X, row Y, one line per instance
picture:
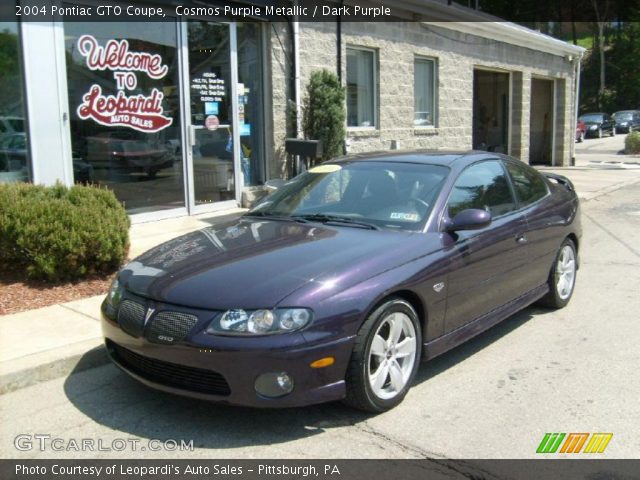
column 591, row 118
column 529, row 184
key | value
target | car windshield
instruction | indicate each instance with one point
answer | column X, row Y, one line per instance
column 371, row 194
column 591, row 118
column 623, row 116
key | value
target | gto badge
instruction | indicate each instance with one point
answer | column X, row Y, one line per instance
column 148, row 314
column 438, row 287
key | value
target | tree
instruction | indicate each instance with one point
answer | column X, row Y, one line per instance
column 324, row 112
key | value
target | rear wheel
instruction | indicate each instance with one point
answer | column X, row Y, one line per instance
column 562, row 278
column 385, row 358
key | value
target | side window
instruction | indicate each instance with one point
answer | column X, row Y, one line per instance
column 529, row 184
column 483, row 185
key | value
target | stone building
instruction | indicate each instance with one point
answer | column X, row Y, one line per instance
column 193, row 110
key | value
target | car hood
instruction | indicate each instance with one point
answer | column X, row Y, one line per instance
column 255, row 263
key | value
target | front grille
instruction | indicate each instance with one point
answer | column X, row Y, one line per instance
column 170, row 374
column 170, row 327
column 131, row 317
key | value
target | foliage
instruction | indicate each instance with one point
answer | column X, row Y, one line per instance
column 59, row 233
column 632, row 143
column 324, row 112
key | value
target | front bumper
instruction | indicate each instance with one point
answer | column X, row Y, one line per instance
column 231, row 365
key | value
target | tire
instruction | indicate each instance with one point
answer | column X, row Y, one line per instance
column 560, row 293
column 363, row 392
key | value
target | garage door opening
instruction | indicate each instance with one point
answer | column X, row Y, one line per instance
column 541, row 122
column 491, row 111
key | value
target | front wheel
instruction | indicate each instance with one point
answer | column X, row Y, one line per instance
column 562, row 278
column 385, row 358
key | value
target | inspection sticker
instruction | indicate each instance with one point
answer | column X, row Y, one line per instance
column 407, row 217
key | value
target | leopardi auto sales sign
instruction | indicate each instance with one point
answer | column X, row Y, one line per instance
column 140, row 112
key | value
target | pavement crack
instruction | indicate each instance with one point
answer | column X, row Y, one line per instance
column 612, row 235
column 78, row 312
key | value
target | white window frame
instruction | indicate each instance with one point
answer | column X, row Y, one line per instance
column 434, row 93
column 376, row 88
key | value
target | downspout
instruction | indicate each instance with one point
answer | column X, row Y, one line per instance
column 577, row 109
column 296, row 75
column 339, row 44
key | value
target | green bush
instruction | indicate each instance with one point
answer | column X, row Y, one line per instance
column 59, row 233
column 324, row 113
column 632, row 143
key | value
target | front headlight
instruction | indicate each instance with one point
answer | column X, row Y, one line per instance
column 593, row 127
column 114, row 297
column 259, row 322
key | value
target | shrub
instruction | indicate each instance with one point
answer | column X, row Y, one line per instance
column 632, row 143
column 324, row 113
column 59, row 233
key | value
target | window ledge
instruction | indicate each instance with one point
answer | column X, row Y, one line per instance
column 427, row 130
column 363, row 132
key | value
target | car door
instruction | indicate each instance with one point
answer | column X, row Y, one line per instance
column 533, row 196
column 486, row 264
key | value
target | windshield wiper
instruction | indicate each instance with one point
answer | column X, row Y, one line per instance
column 324, row 218
column 274, row 216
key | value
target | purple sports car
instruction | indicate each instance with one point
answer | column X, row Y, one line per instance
column 336, row 285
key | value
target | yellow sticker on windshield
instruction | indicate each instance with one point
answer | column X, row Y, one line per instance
column 325, row 168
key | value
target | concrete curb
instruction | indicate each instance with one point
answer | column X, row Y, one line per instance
column 77, row 362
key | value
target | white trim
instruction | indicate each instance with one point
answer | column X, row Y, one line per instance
column 513, row 34
column 235, row 121
column 185, row 111
column 376, row 87
column 434, row 93
column 158, row 215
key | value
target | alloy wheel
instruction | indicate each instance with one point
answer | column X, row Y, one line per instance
column 392, row 356
column 565, row 274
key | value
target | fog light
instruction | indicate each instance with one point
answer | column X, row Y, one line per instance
column 274, row 384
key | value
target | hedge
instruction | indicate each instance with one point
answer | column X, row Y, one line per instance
column 58, row 233
column 632, row 143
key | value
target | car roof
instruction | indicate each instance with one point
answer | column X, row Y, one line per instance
column 626, row 111
column 432, row 157
column 593, row 113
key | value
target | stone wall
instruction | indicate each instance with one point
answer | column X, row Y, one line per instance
column 456, row 54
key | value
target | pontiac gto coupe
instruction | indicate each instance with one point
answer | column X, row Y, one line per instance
column 337, row 284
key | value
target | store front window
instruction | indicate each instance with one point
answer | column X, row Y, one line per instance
column 14, row 152
column 124, row 101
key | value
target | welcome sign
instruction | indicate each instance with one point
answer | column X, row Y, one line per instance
column 139, row 112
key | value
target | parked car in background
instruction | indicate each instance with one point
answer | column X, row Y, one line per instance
column 13, row 152
column 127, row 150
column 337, row 284
column 627, row 121
column 598, row 124
column 581, row 131
column 10, row 125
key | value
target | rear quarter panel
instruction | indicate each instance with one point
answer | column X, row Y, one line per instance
column 550, row 221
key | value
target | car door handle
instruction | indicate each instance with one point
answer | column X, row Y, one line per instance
column 521, row 239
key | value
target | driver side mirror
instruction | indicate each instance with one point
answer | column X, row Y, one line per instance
column 469, row 219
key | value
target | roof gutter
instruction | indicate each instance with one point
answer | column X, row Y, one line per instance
column 513, row 34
